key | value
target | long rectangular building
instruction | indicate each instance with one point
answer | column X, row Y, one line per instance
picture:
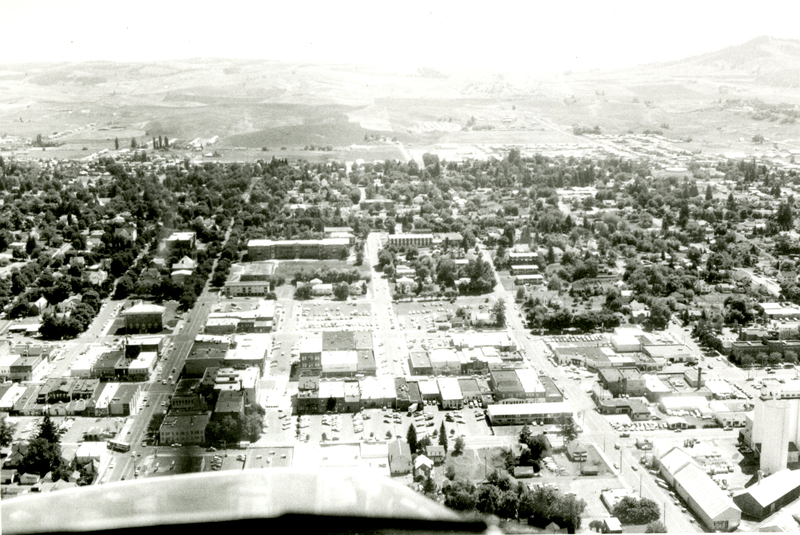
column 711, row 504
column 416, row 240
column 527, row 413
column 290, row 249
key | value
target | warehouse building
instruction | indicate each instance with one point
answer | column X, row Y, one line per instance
column 710, row 503
column 769, row 494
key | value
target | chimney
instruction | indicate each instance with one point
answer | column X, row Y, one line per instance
column 699, row 377
column 760, row 476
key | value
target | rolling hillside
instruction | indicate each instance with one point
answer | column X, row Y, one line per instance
column 255, row 103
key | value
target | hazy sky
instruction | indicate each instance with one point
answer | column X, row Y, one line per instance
column 541, row 36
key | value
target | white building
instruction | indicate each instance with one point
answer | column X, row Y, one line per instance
column 709, row 502
column 450, row 394
column 343, row 362
column 444, row 361
column 775, row 424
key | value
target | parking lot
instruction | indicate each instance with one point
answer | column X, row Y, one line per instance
column 269, row 457
column 420, row 316
column 73, row 428
column 334, row 316
column 374, row 424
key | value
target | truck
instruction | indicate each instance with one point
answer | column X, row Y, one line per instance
column 412, row 408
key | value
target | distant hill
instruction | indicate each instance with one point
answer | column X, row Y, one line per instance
column 769, row 60
column 257, row 103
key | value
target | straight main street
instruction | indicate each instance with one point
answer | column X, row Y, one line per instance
column 595, row 427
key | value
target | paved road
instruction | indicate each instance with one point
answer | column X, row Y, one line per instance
column 596, row 427
column 758, row 280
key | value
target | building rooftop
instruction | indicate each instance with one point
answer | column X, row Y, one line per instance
column 449, row 388
column 311, row 345
column 530, row 408
column 144, row 308
column 188, row 422
column 428, row 387
column 507, row 381
column 711, row 499
column 529, row 380
column 774, row 487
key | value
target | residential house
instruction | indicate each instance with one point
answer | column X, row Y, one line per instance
column 399, row 457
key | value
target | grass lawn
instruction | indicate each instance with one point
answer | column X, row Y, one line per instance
column 474, row 464
column 287, row 268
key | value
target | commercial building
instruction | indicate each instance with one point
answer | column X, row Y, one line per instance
column 706, row 499
column 187, row 398
column 670, row 353
column 338, row 353
column 378, row 392
column 144, row 318
column 134, row 345
column 248, row 351
column 516, row 386
column 244, row 380
column 450, row 396
column 623, row 381
column 188, row 428
column 290, row 249
column 208, row 351
column 498, row 340
column 777, row 311
column 230, row 403
column 27, row 368
column 769, row 494
column 419, row 363
column 444, row 361
column 125, row 400
column 740, row 348
column 635, row 408
column 410, row 240
column 527, row 413
column 141, row 367
column 625, row 343
column 311, row 354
